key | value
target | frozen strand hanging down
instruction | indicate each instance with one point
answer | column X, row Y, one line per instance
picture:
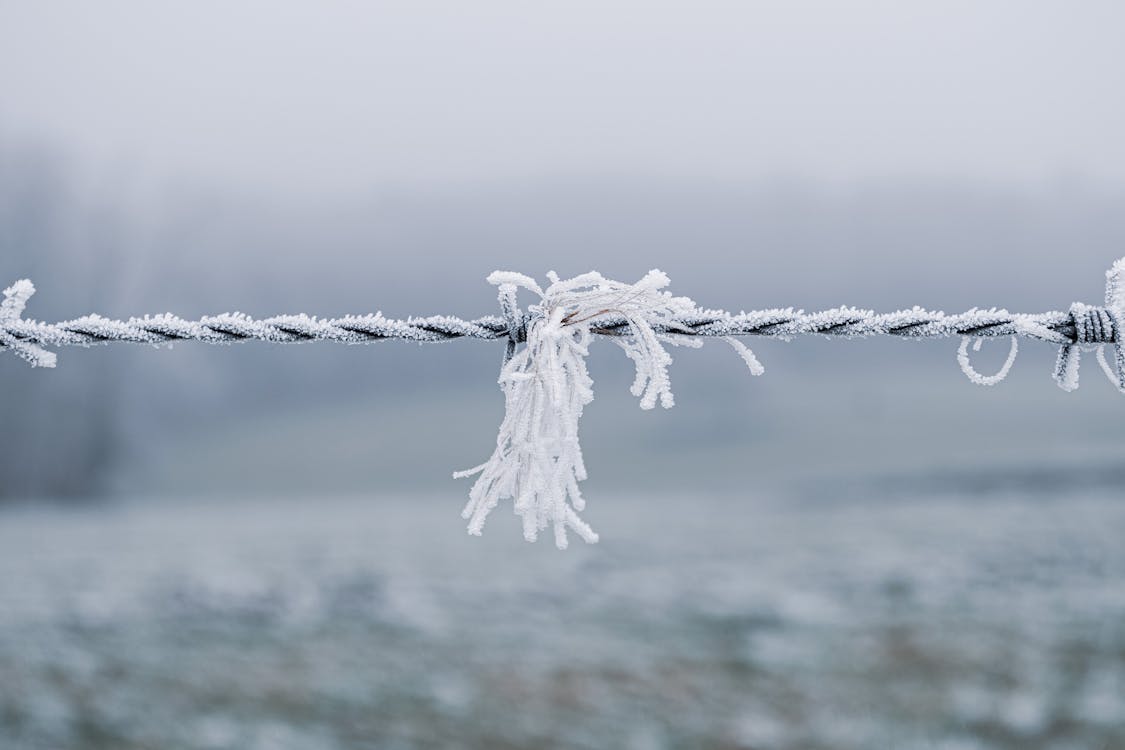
column 976, row 377
column 538, row 461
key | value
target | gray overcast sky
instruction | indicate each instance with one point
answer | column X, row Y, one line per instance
column 338, row 96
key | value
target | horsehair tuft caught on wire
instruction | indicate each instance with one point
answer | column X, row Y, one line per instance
column 538, row 460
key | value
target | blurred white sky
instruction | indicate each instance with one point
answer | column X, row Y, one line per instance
column 338, row 96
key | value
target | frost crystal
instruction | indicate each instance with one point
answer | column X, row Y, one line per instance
column 538, row 459
column 15, row 300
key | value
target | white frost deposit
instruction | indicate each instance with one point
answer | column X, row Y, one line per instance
column 538, row 459
column 15, row 300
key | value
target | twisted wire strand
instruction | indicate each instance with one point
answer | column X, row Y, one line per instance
column 849, row 322
column 228, row 328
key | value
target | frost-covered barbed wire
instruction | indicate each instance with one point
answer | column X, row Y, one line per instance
column 538, row 460
column 783, row 323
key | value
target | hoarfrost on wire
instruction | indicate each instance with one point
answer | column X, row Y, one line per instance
column 1094, row 326
column 15, row 300
column 538, row 459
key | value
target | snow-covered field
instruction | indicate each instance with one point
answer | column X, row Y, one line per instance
column 946, row 620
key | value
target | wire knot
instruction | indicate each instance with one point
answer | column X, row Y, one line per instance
column 515, row 319
column 1093, row 325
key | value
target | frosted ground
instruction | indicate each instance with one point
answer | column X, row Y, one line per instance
column 963, row 616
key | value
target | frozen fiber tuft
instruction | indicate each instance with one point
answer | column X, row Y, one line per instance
column 538, row 459
column 15, row 300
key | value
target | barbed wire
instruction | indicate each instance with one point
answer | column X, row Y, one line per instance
column 847, row 322
column 1079, row 327
column 538, row 462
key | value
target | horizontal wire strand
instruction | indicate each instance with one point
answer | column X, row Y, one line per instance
column 94, row 330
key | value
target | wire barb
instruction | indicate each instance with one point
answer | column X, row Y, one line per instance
column 1095, row 328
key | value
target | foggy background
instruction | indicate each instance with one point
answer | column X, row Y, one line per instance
column 340, row 157
column 272, row 157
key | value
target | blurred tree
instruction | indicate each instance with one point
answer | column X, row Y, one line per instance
column 60, row 427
